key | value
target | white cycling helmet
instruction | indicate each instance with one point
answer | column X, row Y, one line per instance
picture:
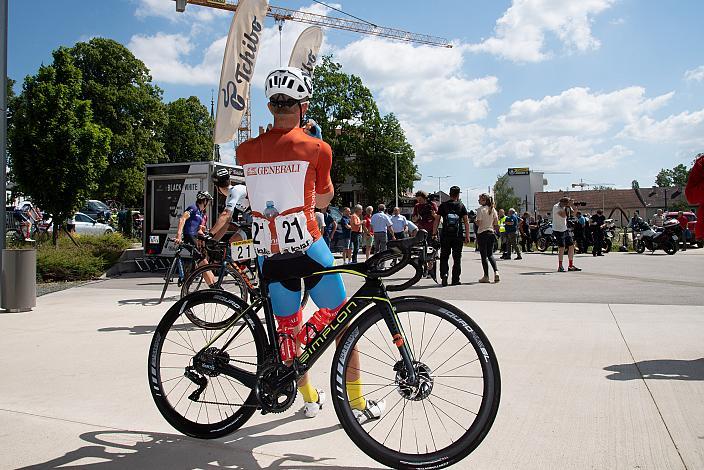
column 289, row 81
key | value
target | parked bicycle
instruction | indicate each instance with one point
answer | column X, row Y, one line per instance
column 179, row 268
column 431, row 361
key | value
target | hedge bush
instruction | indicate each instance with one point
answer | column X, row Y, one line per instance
column 68, row 262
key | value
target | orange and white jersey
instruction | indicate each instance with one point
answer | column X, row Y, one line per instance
column 284, row 170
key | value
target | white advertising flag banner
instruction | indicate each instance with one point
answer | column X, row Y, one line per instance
column 305, row 53
column 243, row 42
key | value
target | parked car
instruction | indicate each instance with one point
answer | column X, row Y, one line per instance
column 691, row 224
column 86, row 225
column 97, row 210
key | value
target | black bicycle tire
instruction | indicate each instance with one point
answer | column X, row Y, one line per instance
column 167, row 279
column 439, row 459
column 184, row 292
column 542, row 247
column 412, row 281
column 175, row 419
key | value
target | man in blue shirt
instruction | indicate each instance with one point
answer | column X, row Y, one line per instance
column 399, row 224
column 330, row 227
column 511, row 224
column 381, row 226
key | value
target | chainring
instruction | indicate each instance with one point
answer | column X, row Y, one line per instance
column 275, row 399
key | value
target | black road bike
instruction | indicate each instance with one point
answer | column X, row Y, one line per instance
column 427, row 360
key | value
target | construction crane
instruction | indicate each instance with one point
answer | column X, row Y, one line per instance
column 582, row 184
column 281, row 14
column 287, row 14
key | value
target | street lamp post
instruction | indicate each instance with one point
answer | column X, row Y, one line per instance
column 396, row 154
column 3, row 119
column 439, row 179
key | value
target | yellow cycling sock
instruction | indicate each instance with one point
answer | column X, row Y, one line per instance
column 310, row 394
column 356, row 395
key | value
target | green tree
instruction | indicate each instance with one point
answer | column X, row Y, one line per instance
column 58, row 152
column 664, row 178
column 188, row 136
column 504, row 197
column 676, row 176
column 341, row 105
column 384, row 141
column 349, row 118
column 124, row 100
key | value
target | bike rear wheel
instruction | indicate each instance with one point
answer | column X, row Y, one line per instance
column 224, row 404
column 431, row 425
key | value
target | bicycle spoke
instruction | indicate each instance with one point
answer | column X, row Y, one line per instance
column 455, row 368
column 376, row 346
column 430, row 340
column 446, row 360
column 458, row 389
column 454, row 404
column 443, row 412
column 430, row 428
column 376, row 359
column 385, row 342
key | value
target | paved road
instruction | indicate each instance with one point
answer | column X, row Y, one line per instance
column 594, row 375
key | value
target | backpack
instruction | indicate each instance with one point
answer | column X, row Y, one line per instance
column 452, row 222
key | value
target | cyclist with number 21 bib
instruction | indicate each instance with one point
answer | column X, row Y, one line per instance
column 236, row 199
column 287, row 173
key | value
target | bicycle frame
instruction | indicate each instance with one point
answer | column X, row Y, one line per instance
column 372, row 292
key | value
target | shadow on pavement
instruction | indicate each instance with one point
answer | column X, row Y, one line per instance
column 106, row 449
column 659, row 369
column 536, row 273
column 147, row 329
column 147, row 302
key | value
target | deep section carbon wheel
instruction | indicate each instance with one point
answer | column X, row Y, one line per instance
column 184, row 363
column 434, row 421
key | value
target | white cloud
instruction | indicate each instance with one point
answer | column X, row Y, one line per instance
column 520, row 34
column 168, row 56
column 576, row 111
column 686, row 128
column 695, row 75
column 164, row 55
column 418, row 83
column 167, row 9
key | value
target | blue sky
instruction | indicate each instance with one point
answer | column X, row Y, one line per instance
column 605, row 90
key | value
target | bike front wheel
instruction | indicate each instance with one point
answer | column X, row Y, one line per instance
column 434, row 422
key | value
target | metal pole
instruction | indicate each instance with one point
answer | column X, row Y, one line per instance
column 3, row 121
column 395, row 178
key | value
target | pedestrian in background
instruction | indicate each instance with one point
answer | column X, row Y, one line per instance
column 562, row 234
column 425, row 212
column 487, row 224
column 579, row 232
column 511, row 224
column 525, row 233
column 659, row 219
column 382, row 228
column 346, row 237
column 330, row 227
column 502, row 233
column 597, row 225
column 694, row 191
column 455, row 232
column 368, row 233
column 399, row 223
column 356, row 224
column 684, row 226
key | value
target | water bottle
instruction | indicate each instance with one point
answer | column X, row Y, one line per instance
column 315, row 324
column 270, row 212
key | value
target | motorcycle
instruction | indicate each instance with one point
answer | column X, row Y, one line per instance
column 658, row 238
column 545, row 237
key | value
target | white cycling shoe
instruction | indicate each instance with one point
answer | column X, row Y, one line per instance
column 311, row 410
column 374, row 410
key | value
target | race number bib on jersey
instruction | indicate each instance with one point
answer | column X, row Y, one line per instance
column 292, row 232
column 242, row 250
column 261, row 236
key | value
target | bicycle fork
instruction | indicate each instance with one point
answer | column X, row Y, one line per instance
column 398, row 336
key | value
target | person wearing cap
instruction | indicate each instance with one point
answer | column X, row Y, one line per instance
column 562, row 234
column 454, row 233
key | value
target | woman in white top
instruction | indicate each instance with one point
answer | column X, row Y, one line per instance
column 487, row 223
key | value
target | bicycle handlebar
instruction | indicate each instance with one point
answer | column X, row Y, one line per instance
column 395, row 248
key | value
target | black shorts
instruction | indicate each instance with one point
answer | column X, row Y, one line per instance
column 563, row 239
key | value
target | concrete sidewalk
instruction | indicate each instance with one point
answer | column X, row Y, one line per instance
column 584, row 386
